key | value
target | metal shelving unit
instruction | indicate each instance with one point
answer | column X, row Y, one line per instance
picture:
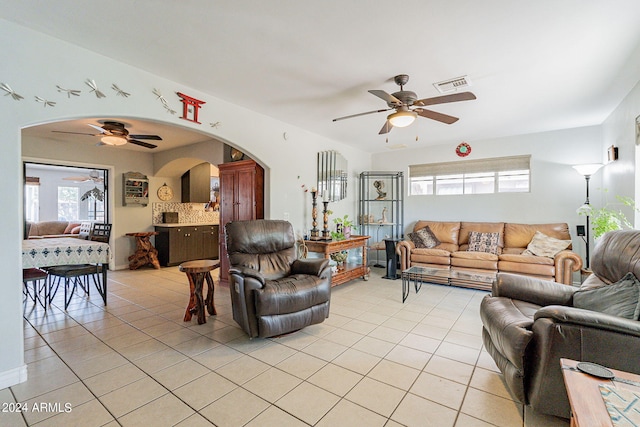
column 381, row 210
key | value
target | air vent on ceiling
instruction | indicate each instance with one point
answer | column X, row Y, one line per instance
column 452, row 84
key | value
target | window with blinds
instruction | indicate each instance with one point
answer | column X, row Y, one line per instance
column 484, row 176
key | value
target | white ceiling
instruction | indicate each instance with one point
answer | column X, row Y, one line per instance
column 534, row 65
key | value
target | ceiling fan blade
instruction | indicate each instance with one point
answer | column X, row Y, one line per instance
column 142, row 144
column 74, row 133
column 77, row 178
column 444, row 118
column 153, row 137
column 361, row 114
column 99, row 129
column 386, row 128
column 389, row 99
column 455, row 97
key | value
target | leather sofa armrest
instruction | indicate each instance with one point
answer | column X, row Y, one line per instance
column 310, row 266
column 248, row 272
column 588, row 318
column 533, row 290
column 566, row 262
column 404, row 248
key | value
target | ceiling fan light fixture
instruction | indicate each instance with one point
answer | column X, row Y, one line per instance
column 113, row 140
column 402, row 118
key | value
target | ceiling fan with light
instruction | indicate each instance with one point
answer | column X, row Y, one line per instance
column 94, row 176
column 408, row 107
column 114, row 133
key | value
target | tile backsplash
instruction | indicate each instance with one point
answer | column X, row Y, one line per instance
column 188, row 213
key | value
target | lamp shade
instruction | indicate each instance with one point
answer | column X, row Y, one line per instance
column 588, row 169
column 114, row 140
column 402, row 118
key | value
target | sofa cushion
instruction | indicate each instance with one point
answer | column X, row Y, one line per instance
column 424, row 238
column 547, row 246
column 519, row 235
column 526, row 259
column 446, row 232
column 430, row 256
column 483, row 227
column 620, row 299
column 483, row 242
column 70, row 227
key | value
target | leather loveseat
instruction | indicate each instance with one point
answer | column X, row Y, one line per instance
column 453, row 250
column 273, row 292
column 530, row 324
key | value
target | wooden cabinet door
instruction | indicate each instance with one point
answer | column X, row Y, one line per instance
column 245, row 195
column 210, row 242
column 177, row 245
column 194, row 247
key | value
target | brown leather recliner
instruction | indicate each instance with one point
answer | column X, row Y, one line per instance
column 529, row 324
column 272, row 292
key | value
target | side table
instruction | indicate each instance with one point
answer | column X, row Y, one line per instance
column 587, row 406
column 351, row 271
column 197, row 272
column 145, row 252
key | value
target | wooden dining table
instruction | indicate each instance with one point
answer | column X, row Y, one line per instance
column 38, row 253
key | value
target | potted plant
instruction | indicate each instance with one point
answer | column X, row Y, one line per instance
column 607, row 218
column 344, row 226
column 339, row 258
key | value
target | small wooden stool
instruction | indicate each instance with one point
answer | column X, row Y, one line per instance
column 145, row 252
column 197, row 271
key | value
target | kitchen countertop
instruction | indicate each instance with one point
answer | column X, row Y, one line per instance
column 184, row 224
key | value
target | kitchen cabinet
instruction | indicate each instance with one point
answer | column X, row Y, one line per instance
column 176, row 244
column 196, row 184
column 241, row 198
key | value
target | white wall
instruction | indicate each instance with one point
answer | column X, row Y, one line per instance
column 557, row 190
column 620, row 130
column 38, row 63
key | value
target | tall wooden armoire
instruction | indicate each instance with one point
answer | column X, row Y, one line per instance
column 241, row 198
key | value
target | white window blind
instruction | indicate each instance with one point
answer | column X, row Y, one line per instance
column 482, row 176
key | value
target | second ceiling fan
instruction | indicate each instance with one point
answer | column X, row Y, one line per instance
column 408, row 107
column 114, row 133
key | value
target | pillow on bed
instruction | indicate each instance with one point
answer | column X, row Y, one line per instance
column 424, row 238
column 543, row 245
column 483, row 242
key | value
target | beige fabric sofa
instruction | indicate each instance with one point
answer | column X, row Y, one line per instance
column 513, row 241
column 46, row 229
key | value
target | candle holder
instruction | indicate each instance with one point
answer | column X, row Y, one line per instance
column 315, row 235
column 326, row 234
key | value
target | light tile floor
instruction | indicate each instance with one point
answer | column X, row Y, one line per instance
column 374, row 362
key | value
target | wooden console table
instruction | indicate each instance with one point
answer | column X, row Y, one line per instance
column 351, row 270
column 145, row 252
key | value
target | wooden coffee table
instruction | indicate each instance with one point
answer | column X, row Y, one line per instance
column 587, row 405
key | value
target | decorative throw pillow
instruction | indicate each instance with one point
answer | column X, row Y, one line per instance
column 620, row 299
column 483, row 242
column 424, row 238
column 543, row 245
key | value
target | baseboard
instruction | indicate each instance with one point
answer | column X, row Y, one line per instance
column 13, row 376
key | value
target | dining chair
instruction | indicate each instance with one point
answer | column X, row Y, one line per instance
column 79, row 274
column 37, row 279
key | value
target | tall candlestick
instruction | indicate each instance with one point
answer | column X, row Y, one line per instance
column 326, row 234
column 314, row 216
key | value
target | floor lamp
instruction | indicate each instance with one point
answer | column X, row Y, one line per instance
column 587, row 170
